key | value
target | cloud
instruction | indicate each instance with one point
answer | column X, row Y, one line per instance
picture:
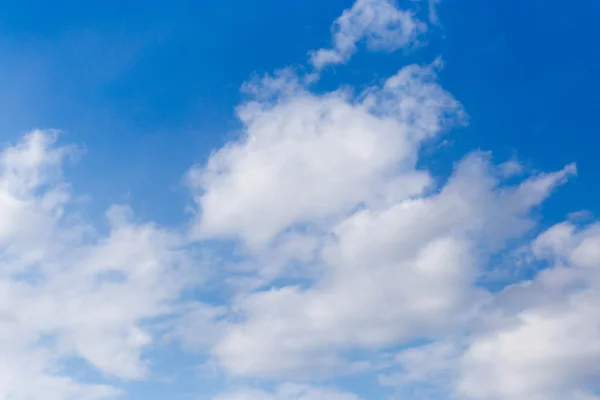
column 356, row 250
column 330, row 182
column 342, row 251
column 288, row 391
column 545, row 341
column 380, row 23
column 536, row 339
column 69, row 292
column 389, row 276
column 385, row 256
column 427, row 371
column 306, row 159
column 433, row 11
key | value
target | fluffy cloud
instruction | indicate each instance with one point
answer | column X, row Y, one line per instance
column 380, row 23
column 306, row 159
column 341, row 249
column 397, row 258
column 543, row 341
column 69, row 292
column 536, row 339
column 385, row 255
column 390, row 276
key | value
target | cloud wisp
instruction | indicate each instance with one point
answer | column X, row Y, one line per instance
column 381, row 24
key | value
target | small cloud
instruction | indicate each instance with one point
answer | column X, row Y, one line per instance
column 380, row 23
column 580, row 216
column 433, row 12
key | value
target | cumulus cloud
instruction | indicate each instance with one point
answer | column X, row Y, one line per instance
column 305, row 159
column 391, row 275
column 380, row 23
column 69, row 292
column 536, row 339
column 397, row 256
column 343, row 251
column 544, row 339
column 385, row 254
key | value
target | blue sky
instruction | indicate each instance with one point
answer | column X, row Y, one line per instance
column 399, row 201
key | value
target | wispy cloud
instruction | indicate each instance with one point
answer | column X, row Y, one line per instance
column 379, row 23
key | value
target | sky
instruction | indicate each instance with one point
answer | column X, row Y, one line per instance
column 299, row 200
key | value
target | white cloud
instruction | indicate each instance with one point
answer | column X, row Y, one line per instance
column 307, row 159
column 380, row 23
column 546, row 345
column 349, row 249
column 549, row 353
column 390, row 276
column 537, row 339
column 397, row 258
column 68, row 292
column 330, row 182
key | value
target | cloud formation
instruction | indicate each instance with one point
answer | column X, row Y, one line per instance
column 379, row 23
column 344, row 255
column 307, row 158
column 68, row 291
column 397, row 257
column 541, row 336
column 378, row 252
column 536, row 339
